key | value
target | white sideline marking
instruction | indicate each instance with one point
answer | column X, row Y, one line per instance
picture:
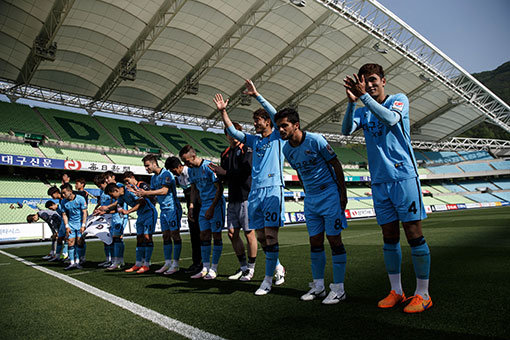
column 146, row 313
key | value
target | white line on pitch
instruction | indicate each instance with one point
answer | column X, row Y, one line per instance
column 146, row 313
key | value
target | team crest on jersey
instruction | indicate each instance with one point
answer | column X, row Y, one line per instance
column 330, row 149
column 308, row 152
column 167, row 180
column 398, row 105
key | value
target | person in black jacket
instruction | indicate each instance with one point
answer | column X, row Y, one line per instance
column 235, row 170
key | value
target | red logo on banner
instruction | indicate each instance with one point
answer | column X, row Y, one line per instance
column 451, row 206
column 72, row 165
column 347, row 213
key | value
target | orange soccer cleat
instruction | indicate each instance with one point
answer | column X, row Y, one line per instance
column 418, row 304
column 132, row 269
column 391, row 300
column 142, row 270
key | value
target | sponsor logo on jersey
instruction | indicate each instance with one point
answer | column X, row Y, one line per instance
column 398, row 105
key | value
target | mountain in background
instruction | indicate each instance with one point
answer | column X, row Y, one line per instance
column 498, row 81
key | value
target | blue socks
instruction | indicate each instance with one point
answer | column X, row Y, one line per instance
column 421, row 257
column 167, row 250
column 318, row 256
column 59, row 248
column 205, row 249
column 80, row 250
column 392, row 256
column 71, row 253
column 140, row 251
column 272, row 254
column 339, row 257
column 149, row 248
column 66, row 248
column 217, row 249
column 177, row 250
column 108, row 251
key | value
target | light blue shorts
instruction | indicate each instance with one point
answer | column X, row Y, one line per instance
column 75, row 233
column 146, row 223
column 266, row 207
column 216, row 223
column 401, row 200
column 324, row 213
column 170, row 219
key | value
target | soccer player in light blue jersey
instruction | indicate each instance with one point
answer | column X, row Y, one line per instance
column 265, row 201
column 74, row 216
column 147, row 216
column 211, row 219
column 396, row 189
column 322, row 177
column 114, row 252
column 163, row 187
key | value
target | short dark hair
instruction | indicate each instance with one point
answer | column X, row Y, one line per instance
column 369, row 69
column 111, row 187
column 289, row 113
column 66, row 186
column 263, row 114
column 81, row 180
column 151, row 158
column 185, row 149
column 30, row 218
column 237, row 126
column 172, row 163
column 129, row 174
column 49, row 204
column 99, row 179
column 109, row 173
column 53, row 190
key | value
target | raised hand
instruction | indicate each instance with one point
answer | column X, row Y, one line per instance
column 250, row 89
column 220, row 103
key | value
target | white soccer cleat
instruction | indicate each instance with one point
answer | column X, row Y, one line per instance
column 162, row 269
column 113, row 266
column 200, row 274
column 279, row 276
column 47, row 257
column 172, row 270
column 247, row 275
column 237, row 275
column 105, row 264
column 264, row 288
column 54, row 258
column 335, row 295
column 71, row 266
column 314, row 292
column 211, row 275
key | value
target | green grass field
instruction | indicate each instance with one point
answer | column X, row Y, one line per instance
column 470, row 288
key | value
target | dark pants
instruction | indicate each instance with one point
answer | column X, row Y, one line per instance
column 194, row 228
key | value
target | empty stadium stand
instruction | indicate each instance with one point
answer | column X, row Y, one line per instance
column 475, row 155
column 20, row 187
column 501, row 165
column 21, row 118
column 502, row 183
column 82, row 155
column 171, row 137
column 23, row 149
column 475, row 167
column 445, row 169
column 212, row 144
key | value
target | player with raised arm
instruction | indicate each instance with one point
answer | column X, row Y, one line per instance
column 54, row 221
column 322, row 177
column 396, row 189
column 265, row 201
column 212, row 213
column 74, row 215
column 235, row 170
column 145, row 223
column 163, row 188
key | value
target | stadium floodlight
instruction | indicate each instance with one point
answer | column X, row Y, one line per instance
column 377, row 48
column 191, row 86
column 45, row 53
column 425, row 78
column 128, row 70
column 298, row 3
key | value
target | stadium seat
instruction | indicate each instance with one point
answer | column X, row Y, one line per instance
column 172, row 138
column 74, row 154
column 453, row 187
column 19, row 187
column 475, row 167
column 21, row 118
column 475, row 155
column 483, row 198
column 505, row 196
column 350, row 154
column 126, row 159
column 444, row 169
column 22, row 149
column 75, row 127
column 501, row 165
column 473, row 185
column 212, row 144
column 502, row 183
column 442, row 156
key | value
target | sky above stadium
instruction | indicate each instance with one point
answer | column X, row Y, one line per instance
column 475, row 34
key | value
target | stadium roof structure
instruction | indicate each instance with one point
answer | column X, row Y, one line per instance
column 163, row 60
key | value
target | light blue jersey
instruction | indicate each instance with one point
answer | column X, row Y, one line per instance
column 390, row 154
column 104, row 199
column 74, row 211
column 311, row 160
column 204, row 178
column 267, row 161
column 131, row 199
column 165, row 179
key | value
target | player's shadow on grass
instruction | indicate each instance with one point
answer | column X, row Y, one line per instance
column 184, row 284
